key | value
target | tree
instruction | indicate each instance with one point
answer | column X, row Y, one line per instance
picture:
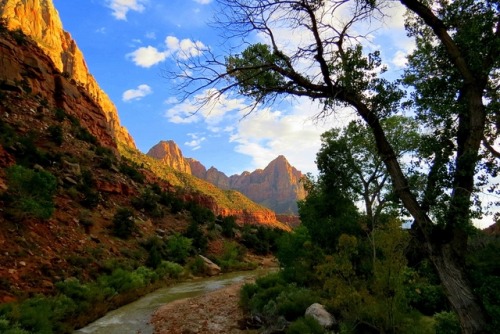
column 349, row 159
column 454, row 74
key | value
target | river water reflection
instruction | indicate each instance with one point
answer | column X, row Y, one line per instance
column 134, row 317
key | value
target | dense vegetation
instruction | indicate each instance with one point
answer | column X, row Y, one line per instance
column 370, row 277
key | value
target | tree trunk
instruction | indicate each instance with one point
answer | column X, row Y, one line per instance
column 457, row 289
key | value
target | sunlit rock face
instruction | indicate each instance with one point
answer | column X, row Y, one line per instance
column 278, row 186
column 170, row 154
column 40, row 20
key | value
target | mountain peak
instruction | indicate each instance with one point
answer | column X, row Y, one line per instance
column 171, row 155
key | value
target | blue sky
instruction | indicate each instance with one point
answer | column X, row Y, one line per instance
column 128, row 43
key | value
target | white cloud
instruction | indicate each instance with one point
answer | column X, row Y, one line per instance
column 399, row 59
column 147, row 56
column 203, row 2
column 183, row 49
column 213, row 113
column 136, row 94
column 265, row 133
column 120, row 8
column 196, row 141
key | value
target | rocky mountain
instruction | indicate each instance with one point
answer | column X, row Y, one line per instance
column 40, row 20
column 169, row 153
column 277, row 186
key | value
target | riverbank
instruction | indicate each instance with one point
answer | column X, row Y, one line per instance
column 212, row 313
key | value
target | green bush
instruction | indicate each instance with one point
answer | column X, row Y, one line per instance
column 232, row 258
column 124, row 223
column 447, row 323
column 148, row 201
column 195, row 233
column 178, row 248
column 228, row 225
column 305, row 325
column 293, row 302
column 56, row 134
column 31, row 192
column 167, row 269
column 130, row 169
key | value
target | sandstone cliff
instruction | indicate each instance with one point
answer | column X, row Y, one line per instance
column 30, row 70
column 40, row 20
column 169, row 153
column 277, row 186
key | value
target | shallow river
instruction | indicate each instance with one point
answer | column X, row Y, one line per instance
column 134, row 317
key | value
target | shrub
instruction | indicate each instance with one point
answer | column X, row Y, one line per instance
column 148, row 201
column 124, row 223
column 167, row 269
column 31, row 191
column 56, row 134
column 60, row 114
column 199, row 240
column 447, row 323
column 178, row 248
column 228, row 225
column 131, row 172
column 304, row 325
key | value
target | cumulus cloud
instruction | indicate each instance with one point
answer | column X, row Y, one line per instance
column 136, row 94
column 262, row 135
column 196, row 140
column 173, row 47
column 147, row 56
column 213, row 113
column 120, row 8
column 203, row 2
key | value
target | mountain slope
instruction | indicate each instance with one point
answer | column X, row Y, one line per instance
column 278, row 186
column 40, row 20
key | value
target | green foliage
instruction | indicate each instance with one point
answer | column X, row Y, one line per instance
column 200, row 214
column 130, row 169
column 328, row 213
column 232, row 257
column 447, row 323
column 124, row 223
column 87, row 187
column 257, row 61
column 305, row 325
column 298, row 256
column 56, row 134
column 228, row 225
column 148, row 202
column 195, row 233
column 167, row 269
column 178, row 248
column 30, row 192
column 261, row 239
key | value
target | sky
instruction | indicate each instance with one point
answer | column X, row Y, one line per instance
column 129, row 44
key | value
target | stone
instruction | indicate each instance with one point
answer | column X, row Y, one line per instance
column 210, row 268
column 322, row 316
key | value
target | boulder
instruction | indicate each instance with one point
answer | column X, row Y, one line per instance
column 322, row 316
column 210, row 268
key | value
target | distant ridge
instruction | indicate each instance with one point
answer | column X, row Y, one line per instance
column 277, row 186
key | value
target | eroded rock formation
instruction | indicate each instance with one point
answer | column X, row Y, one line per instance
column 278, row 186
column 40, row 20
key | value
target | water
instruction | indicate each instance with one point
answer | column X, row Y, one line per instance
column 134, row 317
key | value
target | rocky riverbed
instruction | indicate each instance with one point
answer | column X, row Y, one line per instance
column 214, row 312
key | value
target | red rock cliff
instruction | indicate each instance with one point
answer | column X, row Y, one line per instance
column 170, row 154
column 40, row 20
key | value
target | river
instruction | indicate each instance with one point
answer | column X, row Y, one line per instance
column 134, row 317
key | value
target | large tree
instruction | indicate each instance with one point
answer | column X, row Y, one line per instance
column 454, row 78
